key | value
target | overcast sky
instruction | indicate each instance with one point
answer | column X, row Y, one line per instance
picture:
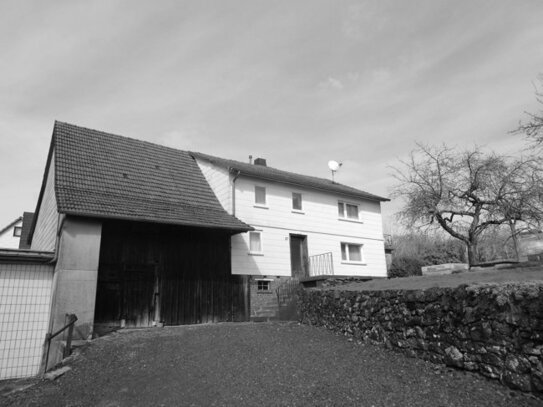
column 296, row 82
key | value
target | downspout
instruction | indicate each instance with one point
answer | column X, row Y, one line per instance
column 61, row 219
column 234, row 192
column 246, row 297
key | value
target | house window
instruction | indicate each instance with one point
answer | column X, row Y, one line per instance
column 347, row 211
column 351, row 253
column 255, row 242
column 263, row 286
column 17, row 231
column 260, row 195
column 296, row 201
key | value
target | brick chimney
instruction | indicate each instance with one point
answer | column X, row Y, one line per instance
column 260, row 161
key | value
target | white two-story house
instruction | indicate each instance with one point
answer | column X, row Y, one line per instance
column 304, row 227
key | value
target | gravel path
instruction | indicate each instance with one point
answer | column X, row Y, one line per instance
column 267, row 364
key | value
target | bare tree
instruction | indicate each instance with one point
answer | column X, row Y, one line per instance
column 464, row 193
column 533, row 126
column 519, row 196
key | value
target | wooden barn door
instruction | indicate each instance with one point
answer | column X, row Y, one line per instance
column 197, row 285
column 173, row 275
column 127, row 293
column 139, row 295
column 196, row 301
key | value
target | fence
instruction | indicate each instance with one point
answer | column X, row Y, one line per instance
column 25, row 296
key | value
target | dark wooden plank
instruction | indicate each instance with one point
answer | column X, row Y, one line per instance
column 193, row 270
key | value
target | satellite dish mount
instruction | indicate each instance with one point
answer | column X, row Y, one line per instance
column 334, row 166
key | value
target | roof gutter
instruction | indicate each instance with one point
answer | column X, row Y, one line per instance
column 25, row 256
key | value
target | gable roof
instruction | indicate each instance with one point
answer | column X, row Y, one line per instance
column 275, row 175
column 102, row 175
column 11, row 224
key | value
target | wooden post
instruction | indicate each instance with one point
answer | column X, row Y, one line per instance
column 68, row 348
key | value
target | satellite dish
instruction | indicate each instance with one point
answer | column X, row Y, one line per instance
column 334, row 166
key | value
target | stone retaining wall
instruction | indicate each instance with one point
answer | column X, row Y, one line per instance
column 496, row 330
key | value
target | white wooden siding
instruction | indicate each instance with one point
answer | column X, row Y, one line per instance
column 320, row 211
column 219, row 180
column 319, row 222
column 275, row 260
column 45, row 233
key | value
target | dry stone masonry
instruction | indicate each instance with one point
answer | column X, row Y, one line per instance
column 495, row 330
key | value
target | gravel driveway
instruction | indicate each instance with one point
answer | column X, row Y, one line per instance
column 266, row 364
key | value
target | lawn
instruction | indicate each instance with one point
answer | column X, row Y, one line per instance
column 518, row 274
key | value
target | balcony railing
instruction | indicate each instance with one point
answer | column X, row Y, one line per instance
column 321, row 265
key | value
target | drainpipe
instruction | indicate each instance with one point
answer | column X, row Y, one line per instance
column 234, row 192
column 61, row 218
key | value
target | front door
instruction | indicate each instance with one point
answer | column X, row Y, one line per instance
column 298, row 256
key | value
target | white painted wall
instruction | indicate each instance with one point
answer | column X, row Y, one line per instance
column 25, row 295
column 219, row 180
column 319, row 222
column 75, row 280
column 45, row 233
column 7, row 240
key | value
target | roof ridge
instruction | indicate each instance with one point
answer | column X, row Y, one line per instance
column 107, row 134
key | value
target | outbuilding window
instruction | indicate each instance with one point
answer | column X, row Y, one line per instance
column 17, row 231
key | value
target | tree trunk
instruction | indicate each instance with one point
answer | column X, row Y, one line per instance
column 514, row 237
column 472, row 254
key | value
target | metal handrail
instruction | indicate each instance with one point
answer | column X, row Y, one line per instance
column 321, row 264
column 72, row 318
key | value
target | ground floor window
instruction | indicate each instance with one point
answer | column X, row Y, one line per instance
column 351, row 252
column 263, row 286
column 255, row 242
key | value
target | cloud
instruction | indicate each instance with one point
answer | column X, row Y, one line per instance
column 331, row 83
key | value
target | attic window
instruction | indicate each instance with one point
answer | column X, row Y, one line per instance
column 17, row 230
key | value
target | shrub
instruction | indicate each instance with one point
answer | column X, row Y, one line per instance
column 404, row 266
